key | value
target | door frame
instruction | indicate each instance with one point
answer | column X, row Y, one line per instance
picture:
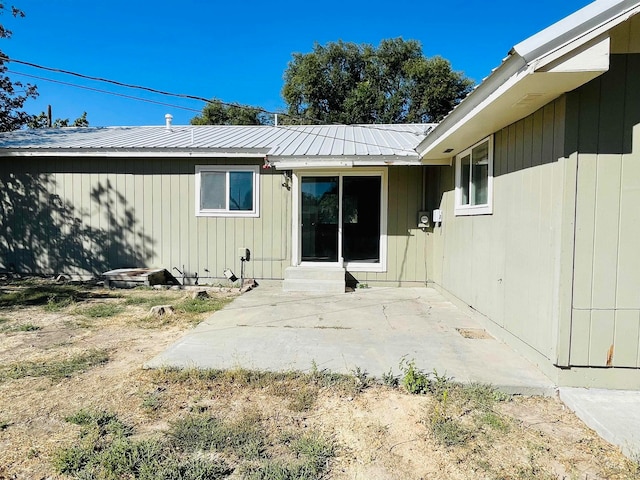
column 296, row 244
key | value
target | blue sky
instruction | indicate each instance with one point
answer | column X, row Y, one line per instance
column 238, row 51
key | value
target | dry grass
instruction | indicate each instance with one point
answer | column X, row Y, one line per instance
column 82, row 407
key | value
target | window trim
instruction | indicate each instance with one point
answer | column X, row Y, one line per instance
column 209, row 212
column 484, row 209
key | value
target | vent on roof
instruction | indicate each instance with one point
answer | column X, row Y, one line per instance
column 168, row 117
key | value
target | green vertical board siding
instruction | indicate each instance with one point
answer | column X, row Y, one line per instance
column 90, row 215
column 580, row 337
column 607, row 264
column 505, row 265
column 626, row 338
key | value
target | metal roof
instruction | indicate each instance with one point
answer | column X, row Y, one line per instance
column 276, row 142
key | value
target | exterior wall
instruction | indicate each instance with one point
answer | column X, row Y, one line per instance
column 84, row 216
column 603, row 131
column 507, row 265
column 556, row 265
column 406, row 243
column 87, row 215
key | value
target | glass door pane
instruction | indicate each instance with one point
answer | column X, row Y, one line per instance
column 320, row 204
column 361, row 219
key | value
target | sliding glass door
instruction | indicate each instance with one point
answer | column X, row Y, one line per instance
column 341, row 219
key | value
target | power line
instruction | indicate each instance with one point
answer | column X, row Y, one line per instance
column 129, row 85
column 161, row 92
column 103, row 91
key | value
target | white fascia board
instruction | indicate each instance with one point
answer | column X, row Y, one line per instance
column 583, row 35
column 590, row 57
column 581, row 26
column 516, row 99
column 504, row 74
column 129, row 153
column 500, row 81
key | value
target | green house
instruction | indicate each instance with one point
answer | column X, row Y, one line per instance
column 522, row 203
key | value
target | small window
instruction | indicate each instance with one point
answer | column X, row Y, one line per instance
column 227, row 191
column 474, row 179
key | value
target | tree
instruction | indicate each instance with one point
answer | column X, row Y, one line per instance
column 217, row 113
column 42, row 121
column 13, row 95
column 348, row 83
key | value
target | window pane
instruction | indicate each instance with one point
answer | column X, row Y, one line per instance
column 241, row 191
column 465, row 163
column 480, row 175
column 212, row 190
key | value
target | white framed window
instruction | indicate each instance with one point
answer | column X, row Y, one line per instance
column 474, row 179
column 227, row 191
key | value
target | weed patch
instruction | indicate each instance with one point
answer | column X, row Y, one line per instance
column 194, row 448
column 51, row 296
column 106, row 450
column 101, row 310
column 54, row 369
column 244, row 437
column 27, row 327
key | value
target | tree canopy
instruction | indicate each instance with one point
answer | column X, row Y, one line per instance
column 13, row 95
column 42, row 121
column 218, row 113
column 349, row 83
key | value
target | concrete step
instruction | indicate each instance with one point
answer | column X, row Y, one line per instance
column 314, row 279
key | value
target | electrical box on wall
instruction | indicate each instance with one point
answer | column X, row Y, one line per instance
column 423, row 220
column 437, row 216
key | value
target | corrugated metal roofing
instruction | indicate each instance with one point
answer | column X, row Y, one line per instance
column 279, row 141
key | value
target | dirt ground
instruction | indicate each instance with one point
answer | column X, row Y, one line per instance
column 380, row 432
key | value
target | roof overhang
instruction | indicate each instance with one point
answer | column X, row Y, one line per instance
column 337, row 162
column 134, row 153
column 536, row 71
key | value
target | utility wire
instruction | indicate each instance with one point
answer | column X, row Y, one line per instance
column 102, row 91
column 139, row 87
column 179, row 95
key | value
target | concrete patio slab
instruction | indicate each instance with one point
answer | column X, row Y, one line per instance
column 370, row 329
column 613, row 414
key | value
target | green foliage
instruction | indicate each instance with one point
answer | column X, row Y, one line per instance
column 50, row 295
column 389, row 379
column 101, row 310
column 42, row 121
column 152, row 401
column 107, row 451
column 446, row 429
column 312, row 451
column 200, row 305
column 344, row 82
column 245, row 437
column 414, row 380
column 303, row 400
column 218, row 113
column 27, row 327
column 103, row 422
column 13, row 95
column 54, row 369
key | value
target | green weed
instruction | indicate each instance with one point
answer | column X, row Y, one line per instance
column 106, row 450
column 54, row 369
column 414, row 380
column 312, row 452
column 27, row 327
column 41, row 294
column 152, row 401
column 101, row 310
column 243, row 437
